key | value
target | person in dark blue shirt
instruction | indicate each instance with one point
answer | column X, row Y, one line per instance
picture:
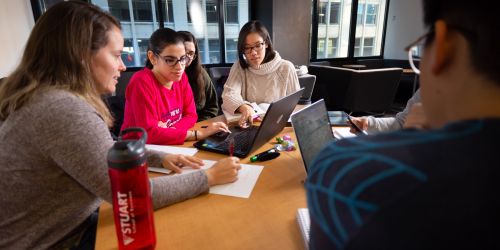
column 433, row 189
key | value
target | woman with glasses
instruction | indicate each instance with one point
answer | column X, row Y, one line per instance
column 54, row 134
column 204, row 93
column 159, row 98
column 260, row 75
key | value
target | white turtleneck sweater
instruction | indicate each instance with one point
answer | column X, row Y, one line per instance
column 266, row 83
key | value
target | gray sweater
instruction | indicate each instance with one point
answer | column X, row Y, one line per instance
column 54, row 173
column 384, row 124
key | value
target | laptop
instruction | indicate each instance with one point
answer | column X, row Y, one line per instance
column 313, row 131
column 247, row 140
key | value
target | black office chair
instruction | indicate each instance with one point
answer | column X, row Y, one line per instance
column 372, row 91
column 116, row 102
column 219, row 76
column 307, row 82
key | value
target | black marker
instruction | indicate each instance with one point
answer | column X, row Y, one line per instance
column 265, row 156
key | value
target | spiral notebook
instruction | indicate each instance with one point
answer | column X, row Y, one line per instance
column 304, row 222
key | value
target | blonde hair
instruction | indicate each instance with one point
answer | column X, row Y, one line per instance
column 58, row 55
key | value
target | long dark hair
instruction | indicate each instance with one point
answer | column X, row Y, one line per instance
column 65, row 37
column 194, row 71
column 160, row 39
column 259, row 28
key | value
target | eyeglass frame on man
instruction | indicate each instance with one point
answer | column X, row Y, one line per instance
column 409, row 49
column 468, row 33
column 257, row 47
column 182, row 61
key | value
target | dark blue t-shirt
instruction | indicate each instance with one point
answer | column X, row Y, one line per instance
column 409, row 190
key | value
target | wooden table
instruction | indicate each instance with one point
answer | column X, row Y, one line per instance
column 264, row 221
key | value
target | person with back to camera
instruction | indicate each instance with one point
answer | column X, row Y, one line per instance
column 412, row 116
column 203, row 89
column 54, row 134
column 424, row 189
column 159, row 98
column 260, row 75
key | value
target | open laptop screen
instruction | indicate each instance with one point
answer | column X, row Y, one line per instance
column 313, row 131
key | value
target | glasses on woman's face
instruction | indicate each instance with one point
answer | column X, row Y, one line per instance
column 172, row 61
column 256, row 47
column 191, row 55
column 416, row 49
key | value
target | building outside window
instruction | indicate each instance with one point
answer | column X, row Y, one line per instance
column 200, row 17
column 333, row 37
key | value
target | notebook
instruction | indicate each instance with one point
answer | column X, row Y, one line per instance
column 313, row 131
column 247, row 140
column 304, row 221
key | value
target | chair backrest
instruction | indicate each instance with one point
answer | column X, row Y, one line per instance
column 307, row 82
column 123, row 82
column 219, row 76
column 116, row 102
column 331, row 85
column 372, row 91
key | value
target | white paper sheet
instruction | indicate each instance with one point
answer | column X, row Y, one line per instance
column 343, row 132
column 247, row 177
column 170, row 150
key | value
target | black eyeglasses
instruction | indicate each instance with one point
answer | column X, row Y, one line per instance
column 191, row 55
column 256, row 47
column 172, row 61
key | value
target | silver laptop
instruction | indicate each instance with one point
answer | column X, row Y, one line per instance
column 313, row 131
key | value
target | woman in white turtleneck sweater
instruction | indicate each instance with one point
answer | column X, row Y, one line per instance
column 260, row 75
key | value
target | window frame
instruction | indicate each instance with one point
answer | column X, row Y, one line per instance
column 352, row 33
column 39, row 7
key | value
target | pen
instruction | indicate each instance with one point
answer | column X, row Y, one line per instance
column 231, row 147
column 356, row 126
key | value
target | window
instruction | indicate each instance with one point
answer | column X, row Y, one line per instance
column 333, row 34
column 231, row 50
column 168, row 12
column 332, row 47
column 361, row 14
column 142, row 10
column 139, row 20
column 119, row 9
column 213, row 50
column 334, row 13
column 231, row 10
column 371, row 13
column 212, row 14
column 357, row 45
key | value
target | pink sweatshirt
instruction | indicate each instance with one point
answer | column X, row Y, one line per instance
column 166, row 114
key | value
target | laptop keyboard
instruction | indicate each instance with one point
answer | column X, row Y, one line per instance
column 243, row 139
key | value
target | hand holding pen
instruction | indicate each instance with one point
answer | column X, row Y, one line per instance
column 358, row 125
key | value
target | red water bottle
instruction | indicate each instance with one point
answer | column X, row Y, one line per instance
column 131, row 194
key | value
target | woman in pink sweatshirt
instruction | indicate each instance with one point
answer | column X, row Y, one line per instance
column 159, row 98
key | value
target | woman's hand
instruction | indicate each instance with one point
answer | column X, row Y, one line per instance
column 175, row 162
column 212, row 129
column 361, row 122
column 223, row 171
column 247, row 114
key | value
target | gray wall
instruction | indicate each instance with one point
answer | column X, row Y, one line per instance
column 404, row 25
column 16, row 22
